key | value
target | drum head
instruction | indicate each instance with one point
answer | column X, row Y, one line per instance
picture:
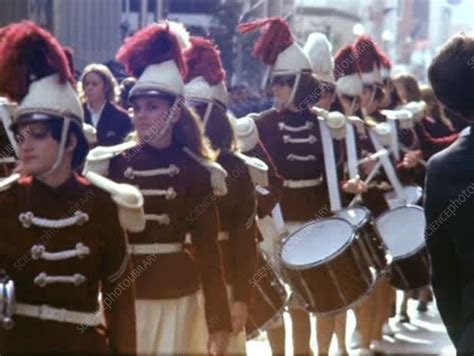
column 402, row 230
column 413, row 194
column 316, row 242
column 357, row 216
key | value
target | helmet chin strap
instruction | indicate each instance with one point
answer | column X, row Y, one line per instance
column 372, row 97
column 207, row 114
column 353, row 104
column 62, row 147
column 293, row 90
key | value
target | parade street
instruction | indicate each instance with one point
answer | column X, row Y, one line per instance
column 424, row 335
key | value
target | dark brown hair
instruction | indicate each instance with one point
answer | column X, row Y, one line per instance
column 451, row 74
column 410, row 84
column 218, row 130
column 437, row 112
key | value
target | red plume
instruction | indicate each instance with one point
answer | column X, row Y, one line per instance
column 152, row 45
column 345, row 62
column 29, row 53
column 385, row 60
column 203, row 59
column 275, row 38
column 367, row 52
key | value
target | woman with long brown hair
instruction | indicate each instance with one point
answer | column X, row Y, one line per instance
column 205, row 90
column 291, row 134
column 172, row 165
column 436, row 123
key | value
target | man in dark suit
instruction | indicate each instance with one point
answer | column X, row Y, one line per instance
column 449, row 204
column 113, row 126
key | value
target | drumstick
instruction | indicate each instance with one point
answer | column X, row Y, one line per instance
column 367, row 181
column 373, row 156
column 419, row 160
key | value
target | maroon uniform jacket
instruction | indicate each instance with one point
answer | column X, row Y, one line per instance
column 293, row 141
column 187, row 205
column 237, row 218
column 113, row 126
column 103, row 267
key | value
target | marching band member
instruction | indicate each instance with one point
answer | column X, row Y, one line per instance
column 55, row 246
column 318, row 49
column 270, row 229
column 347, row 101
column 205, row 90
column 290, row 133
column 372, row 99
column 435, row 121
column 428, row 143
column 171, row 164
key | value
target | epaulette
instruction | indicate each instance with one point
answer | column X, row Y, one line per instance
column 404, row 117
column 7, row 183
column 383, row 132
column 257, row 168
column 264, row 113
column 336, row 122
column 218, row 174
column 90, row 132
column 98, row 159
column 319, row 112
column 246, row 132
column 416, row 108
column 128, row 198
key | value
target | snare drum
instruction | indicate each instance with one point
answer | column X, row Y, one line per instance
column 323, row 262
column 269, row 299
column 360, row 219
column 403, row 233
column 413, row 194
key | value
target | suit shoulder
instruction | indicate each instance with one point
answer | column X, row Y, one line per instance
column 119, row 113
column 447, row 157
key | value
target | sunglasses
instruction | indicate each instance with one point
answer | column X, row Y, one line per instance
column 283, row 80
column 38, row 131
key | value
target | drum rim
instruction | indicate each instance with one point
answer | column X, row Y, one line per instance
column 407, row 255
column 367, row 218
column 265, row 325
column 417, row 187
column 400, row 257
column 332, row 255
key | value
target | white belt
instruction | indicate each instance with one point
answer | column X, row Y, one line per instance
column 8, row 160
column 155, row 248
column 303, row 183
column 45, row 312
column 223, row 236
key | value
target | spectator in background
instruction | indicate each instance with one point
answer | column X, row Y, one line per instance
column 99, row 93
column 450, row 176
